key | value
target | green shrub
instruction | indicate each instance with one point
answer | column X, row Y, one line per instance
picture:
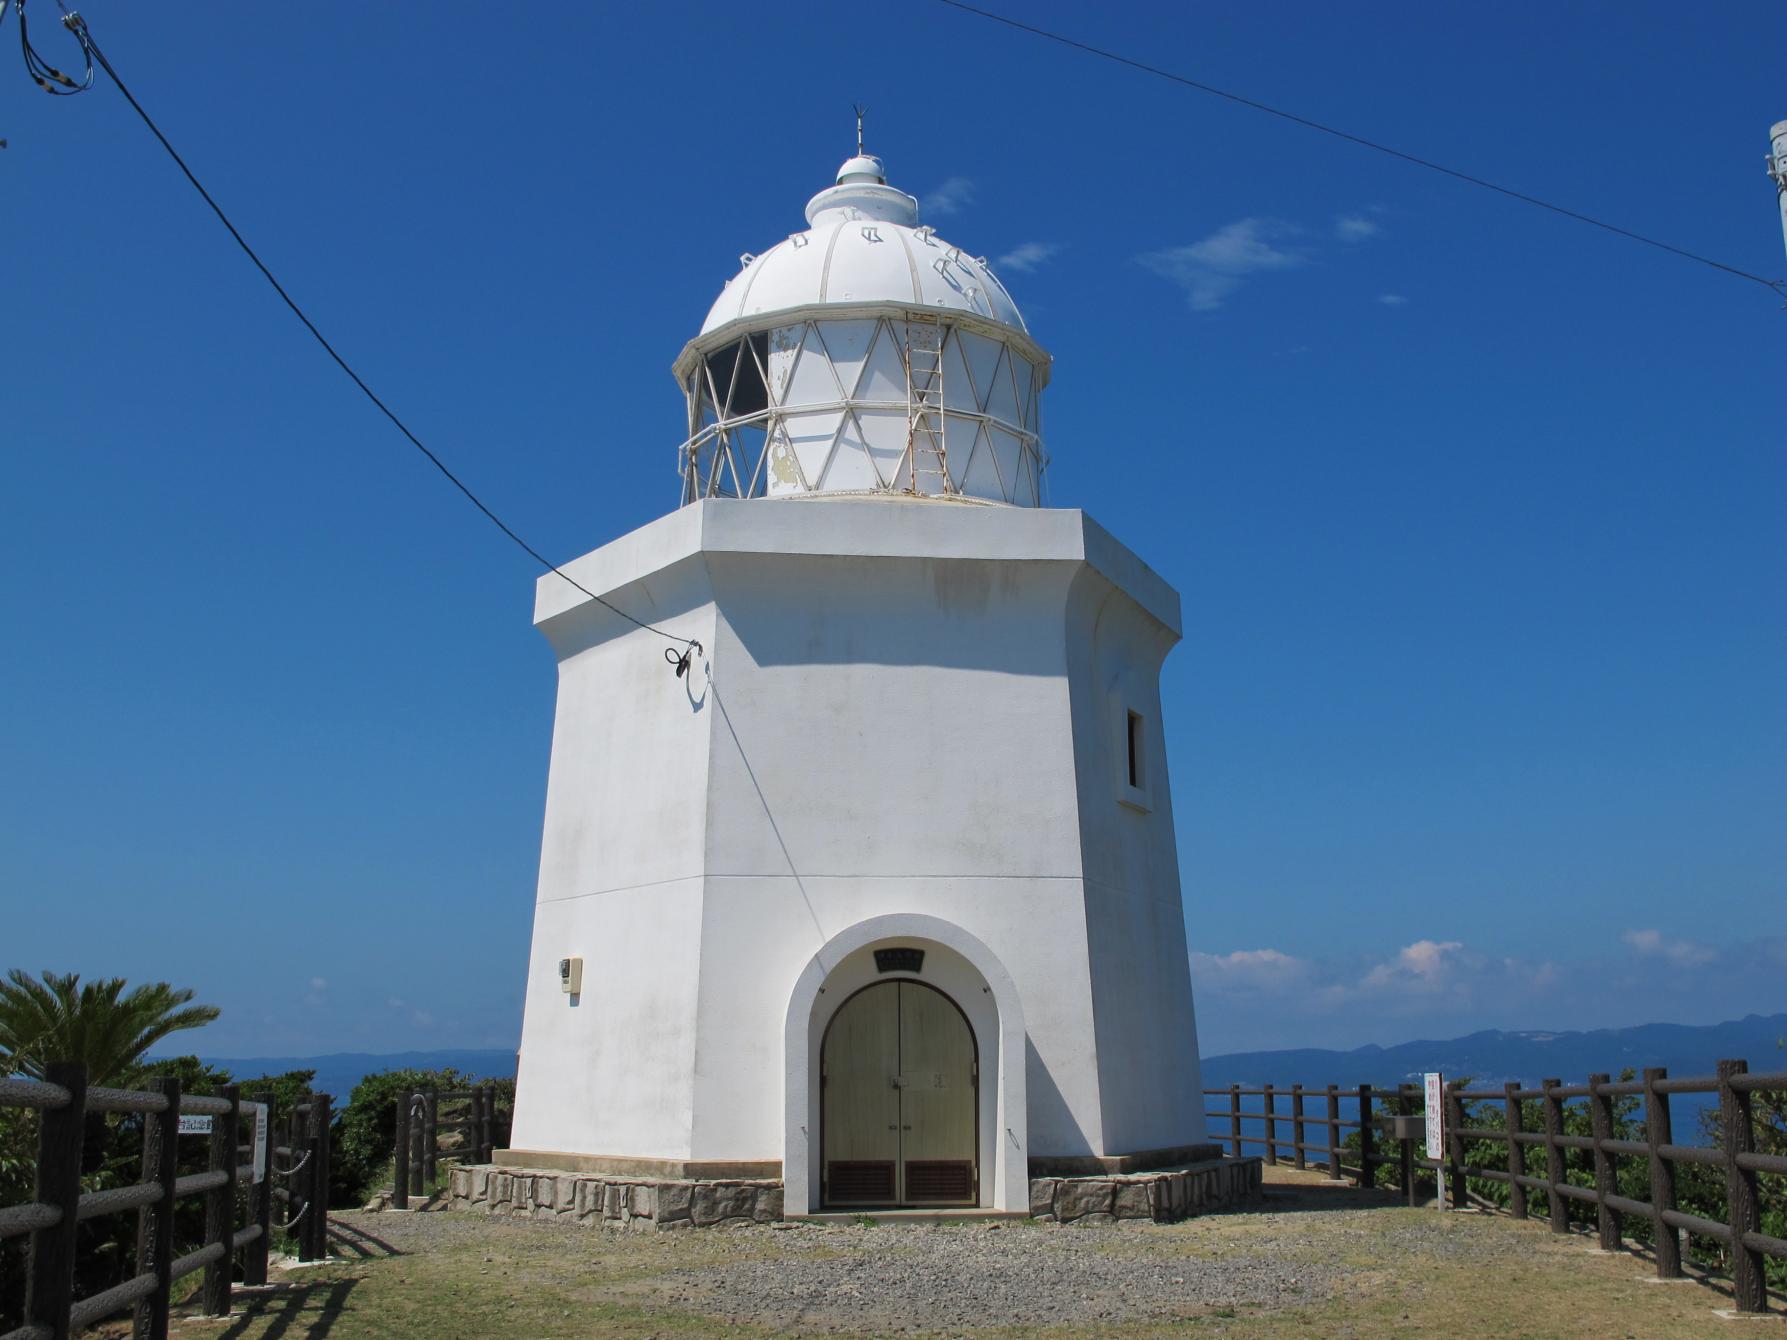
column 367, row 1127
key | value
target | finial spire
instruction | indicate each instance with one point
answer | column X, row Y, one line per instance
column 861, row 111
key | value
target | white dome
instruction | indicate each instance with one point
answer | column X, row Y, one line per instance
column 864, row 246
column 865, row 355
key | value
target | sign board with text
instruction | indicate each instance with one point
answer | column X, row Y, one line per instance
column 259, row 1160
column 1436, row 1108
column 197, row 1124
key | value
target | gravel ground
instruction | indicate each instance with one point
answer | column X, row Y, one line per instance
column 1313, row 1259
column 961, row 1278
column 951, row 1279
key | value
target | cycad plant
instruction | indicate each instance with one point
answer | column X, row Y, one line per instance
column 58, row 1019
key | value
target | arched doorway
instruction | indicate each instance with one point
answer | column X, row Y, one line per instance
column 899, row 1116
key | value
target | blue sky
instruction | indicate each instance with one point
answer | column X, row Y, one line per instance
column 1476, row 512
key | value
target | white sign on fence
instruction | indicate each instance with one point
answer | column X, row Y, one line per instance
column 1436, row 1122
column 195, row 1125
column 260, row 1140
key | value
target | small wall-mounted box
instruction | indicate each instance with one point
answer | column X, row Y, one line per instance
column 570, row 976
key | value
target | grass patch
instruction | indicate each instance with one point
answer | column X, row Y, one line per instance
column 1385, row 1271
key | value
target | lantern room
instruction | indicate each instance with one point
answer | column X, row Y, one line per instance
column 863, row 355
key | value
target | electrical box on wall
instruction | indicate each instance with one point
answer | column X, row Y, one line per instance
column 570, row 976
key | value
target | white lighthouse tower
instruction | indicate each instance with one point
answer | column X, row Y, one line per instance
column 881, row 897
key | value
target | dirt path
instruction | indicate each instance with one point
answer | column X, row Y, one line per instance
column 1314, row 1260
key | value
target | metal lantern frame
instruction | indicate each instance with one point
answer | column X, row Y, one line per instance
column 975, row 442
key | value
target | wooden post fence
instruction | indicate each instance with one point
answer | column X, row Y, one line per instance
column 64, row 1101
column 418, row 1122
column 400, row 1155
column 260, row 1203
column 430, row 1136
column 1735, row 1154
column 1367, row 1141
column 1666, row 1237
column 1748, row 1284
column 1512, row 1123
column 1271, row 1127
column 1333, row 1133
column 321, row 1115
column 1297, row 1141
column 1600, row 1110
column 1554, row 1156
column 1454, row 1148
column 49, row 1286
column 155, row 1223
column 220, row 1207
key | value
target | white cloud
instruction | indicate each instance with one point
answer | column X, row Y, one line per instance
column 1425, row 965
column 319, row 983
column 952, row 197
column 1425, row 958
column 1246, row 969
column 1026, row 256
column 1355, row 228
column 1269, row 998
column 1212, row 269
column 1392, row 299
column 1650, row 943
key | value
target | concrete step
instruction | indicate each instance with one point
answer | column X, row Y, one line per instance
column 908, row 1216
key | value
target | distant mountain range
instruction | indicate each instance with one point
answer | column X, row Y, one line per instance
column 1488, row 1058
column 1493, row 1057
column 336, row 1074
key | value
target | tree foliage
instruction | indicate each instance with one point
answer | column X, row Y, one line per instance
column 58, row 1019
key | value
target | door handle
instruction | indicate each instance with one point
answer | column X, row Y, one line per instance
column 905, row 1128
column 893, row 1128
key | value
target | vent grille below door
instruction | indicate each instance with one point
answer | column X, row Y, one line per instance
column 860, row 1180
column 939, row 1180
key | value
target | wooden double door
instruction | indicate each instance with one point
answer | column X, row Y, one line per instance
column 900, row 1111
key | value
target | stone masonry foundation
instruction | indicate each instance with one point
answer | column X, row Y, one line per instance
column 641, row 1204
column 1161, row 1195
column 657, row 1205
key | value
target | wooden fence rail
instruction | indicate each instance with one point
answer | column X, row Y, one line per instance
column 416, row 1140
column 1735, row 1154
column 64, row 1100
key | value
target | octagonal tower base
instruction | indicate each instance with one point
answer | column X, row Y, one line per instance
column 920, row 749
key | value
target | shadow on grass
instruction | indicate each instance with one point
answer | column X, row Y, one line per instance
column 302, row 1312
column 1314, row 1196
column 357, row 1244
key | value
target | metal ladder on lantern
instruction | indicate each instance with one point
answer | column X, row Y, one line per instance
column 927, row 463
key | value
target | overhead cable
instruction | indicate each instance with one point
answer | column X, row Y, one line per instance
column 43, row 74
column 78, row 26
column 1776, row 286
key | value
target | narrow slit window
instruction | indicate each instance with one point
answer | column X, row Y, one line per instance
column 1134, row 737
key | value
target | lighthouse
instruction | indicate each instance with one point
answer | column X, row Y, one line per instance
column 876, row 895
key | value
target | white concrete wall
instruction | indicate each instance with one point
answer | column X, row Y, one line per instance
column 891, row 735
column 897, row 714
column 1149, row 1076
column 612, row 1070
